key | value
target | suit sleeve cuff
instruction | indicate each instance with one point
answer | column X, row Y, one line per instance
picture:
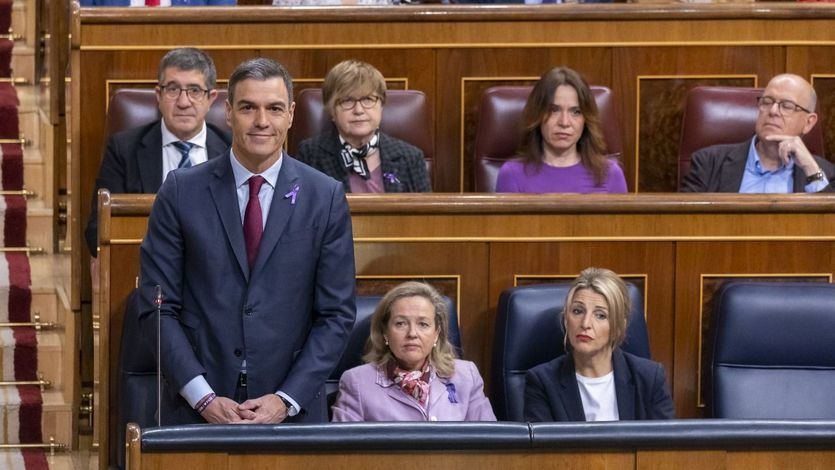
column 294, row 407
column 817, row 186
column 195, row 389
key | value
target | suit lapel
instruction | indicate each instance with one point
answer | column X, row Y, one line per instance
column 391, row 165
column 225, row 196
column 215, row 146
column 624, row 386
column 730, row 179
column 280, row 210
column 149, row 159
column 331, row 154
column 799, row 180
column 570, row 396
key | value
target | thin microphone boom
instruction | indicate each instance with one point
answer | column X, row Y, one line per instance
column 158, row 303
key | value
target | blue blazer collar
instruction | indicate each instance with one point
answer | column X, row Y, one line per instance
column 624, row 388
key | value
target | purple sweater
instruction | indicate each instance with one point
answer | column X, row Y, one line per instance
column 515, row 177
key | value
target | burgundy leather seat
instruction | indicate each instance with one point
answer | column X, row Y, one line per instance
column 134, row 107
column 724, row 115
column 405, row 116
column 497, row 135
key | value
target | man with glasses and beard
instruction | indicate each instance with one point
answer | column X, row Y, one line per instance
column 775, row 160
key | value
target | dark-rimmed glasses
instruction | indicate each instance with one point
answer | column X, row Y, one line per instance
column 786, row 107
column 173, row 92
column 367, row 102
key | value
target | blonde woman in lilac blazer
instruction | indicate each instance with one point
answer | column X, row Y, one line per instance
column 411, row 372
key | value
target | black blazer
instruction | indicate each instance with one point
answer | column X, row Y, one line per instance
column 720, row 168
column 552, row 393
column 132, row 164
column 398, row 158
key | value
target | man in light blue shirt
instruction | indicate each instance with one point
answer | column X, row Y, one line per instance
column 775, row 160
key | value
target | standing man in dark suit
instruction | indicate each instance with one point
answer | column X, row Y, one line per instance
column 254, row 255
column 137, row 160
column 775, row 160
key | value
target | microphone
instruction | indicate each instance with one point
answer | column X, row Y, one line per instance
column 158, row 304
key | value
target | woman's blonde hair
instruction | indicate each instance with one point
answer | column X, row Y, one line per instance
column 608, row 284
column 442, row 356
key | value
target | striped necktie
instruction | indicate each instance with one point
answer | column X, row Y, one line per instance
column 184, row 148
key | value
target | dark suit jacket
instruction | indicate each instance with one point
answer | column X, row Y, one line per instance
column 401, row 159
column 132, row 164
column 720, row 168
column 289, row 317
column 552, row 393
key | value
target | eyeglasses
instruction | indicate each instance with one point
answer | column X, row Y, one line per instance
column 172, row 92
column 786, row 107
column 367, row 102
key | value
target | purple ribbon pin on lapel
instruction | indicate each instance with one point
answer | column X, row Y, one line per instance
column 391, row 177
column 292, row 194
column 450, row 390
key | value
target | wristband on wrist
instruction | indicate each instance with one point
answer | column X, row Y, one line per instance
column 204, row 402
column 819, row 176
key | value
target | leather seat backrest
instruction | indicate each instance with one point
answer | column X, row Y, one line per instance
column 499, row 129
column 724, row 115
column 773, row 354
column 405, row 117
column 529, row 333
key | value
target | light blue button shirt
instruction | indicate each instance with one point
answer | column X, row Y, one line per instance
column 758, row 180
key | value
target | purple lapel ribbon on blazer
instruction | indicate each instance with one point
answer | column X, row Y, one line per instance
column 292, row 194
column 391, row 177
column 450, row 390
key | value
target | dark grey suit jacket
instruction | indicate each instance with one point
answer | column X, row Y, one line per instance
column 400, row 159
column 132, row 164
column 552, row 393
column 288, row 316
column 720, row 168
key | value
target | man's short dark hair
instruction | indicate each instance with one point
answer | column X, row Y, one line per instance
column 189, row 58
column 260, row 68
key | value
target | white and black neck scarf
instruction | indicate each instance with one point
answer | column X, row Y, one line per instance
column 354, row 159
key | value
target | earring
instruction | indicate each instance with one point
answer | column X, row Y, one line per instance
column 435, row 345
column 387, row 340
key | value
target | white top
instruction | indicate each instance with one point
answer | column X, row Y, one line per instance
column 600, row 403
column 171, row 156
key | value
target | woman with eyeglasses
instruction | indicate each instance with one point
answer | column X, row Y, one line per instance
column 357, row 153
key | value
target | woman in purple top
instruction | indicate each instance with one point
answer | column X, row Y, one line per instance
column 562, row 149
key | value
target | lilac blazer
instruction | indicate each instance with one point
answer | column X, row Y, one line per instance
column 366, row 394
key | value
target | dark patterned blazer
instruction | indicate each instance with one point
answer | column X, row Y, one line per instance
column 398, row 158
column 720, row 168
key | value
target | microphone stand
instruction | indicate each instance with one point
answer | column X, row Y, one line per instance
column 158, row 303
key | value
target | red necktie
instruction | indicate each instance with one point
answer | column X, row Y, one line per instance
column 253, row 227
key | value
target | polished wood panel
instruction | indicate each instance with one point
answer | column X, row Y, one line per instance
column 449, row 52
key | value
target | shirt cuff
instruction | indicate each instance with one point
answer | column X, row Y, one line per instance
column 195, row 389
column 294, row 407
column 817, row 186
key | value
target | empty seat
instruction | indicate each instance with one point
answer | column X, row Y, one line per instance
column 528, row 333
column 773, row 354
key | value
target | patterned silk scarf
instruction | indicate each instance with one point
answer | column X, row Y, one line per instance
column 414, row 383
column 354, row 159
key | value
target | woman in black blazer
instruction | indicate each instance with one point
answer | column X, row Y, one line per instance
column 595, row 380
column 357, row 153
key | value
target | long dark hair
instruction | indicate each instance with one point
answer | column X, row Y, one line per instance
column 591, row 147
